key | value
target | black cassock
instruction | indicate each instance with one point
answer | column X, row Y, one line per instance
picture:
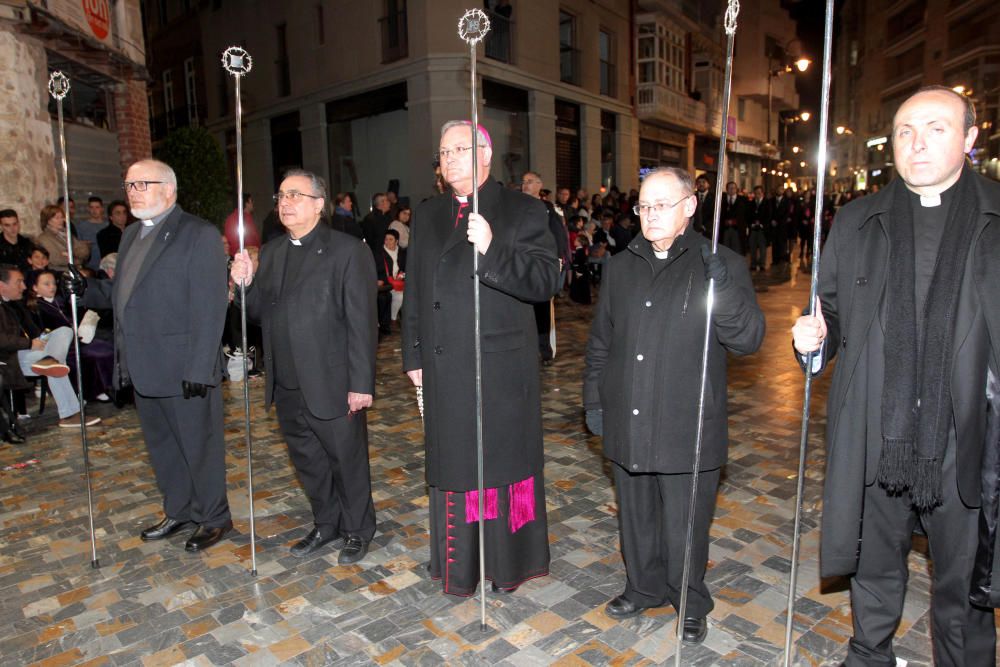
column 519, row 268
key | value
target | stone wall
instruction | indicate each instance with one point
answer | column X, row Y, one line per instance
column 132, row 118
column 27, row 178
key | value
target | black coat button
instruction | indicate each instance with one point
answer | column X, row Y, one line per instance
column 862, row 281
column 843, row 342
column 437, row 305
column 438, row 350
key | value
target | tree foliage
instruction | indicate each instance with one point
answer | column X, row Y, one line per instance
column 202, row 180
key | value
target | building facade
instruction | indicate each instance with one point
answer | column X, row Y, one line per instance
column 99, row 46
column 886, row 51
column 358, row 91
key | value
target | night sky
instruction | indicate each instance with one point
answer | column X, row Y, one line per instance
column 809, row 15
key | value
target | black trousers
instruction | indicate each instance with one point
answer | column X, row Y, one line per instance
column 184, row 438
column 331, row 459
column 962, row 634
column 652, row 516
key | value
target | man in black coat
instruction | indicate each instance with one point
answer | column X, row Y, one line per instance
column 641, row 391
column 782, row 225
column 14, row 248
column 517, row 267
column 169, row 297
column 702, row 218
column 759, row 219
column 376, row 222
column 314, row 296
column 531, row 185
column 733, row 219
column 909, row 287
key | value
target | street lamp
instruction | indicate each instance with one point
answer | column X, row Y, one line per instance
column 801, row 64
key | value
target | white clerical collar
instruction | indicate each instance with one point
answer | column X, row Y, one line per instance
column 464, row 199
column 147, row 223
column 662, row 254
column 294, row 241
column 930, row 201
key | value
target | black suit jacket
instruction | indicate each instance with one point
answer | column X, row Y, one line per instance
column 171, row 328
column 332, row 317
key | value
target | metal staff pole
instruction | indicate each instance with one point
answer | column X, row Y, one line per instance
column 472, row 28
column 732, row 10
column 238, row 63
column 824, row 119
column 58, row 89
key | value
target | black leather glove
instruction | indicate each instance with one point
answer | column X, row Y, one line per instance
column 73, row 281
column 194, row 389
column 595, row 421
column 715, row 268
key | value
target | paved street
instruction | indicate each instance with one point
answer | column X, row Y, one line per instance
column 155, row 604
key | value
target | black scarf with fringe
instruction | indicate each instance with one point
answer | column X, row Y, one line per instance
column 916, row 393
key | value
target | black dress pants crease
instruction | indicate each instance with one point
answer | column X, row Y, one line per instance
column 331, row 460
column 652, row 515
column 186, row 445
column 963, row 635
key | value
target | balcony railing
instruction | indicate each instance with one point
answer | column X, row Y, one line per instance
column 395, row 43
column 656, row 101
column 569, row 64
column 498, row 40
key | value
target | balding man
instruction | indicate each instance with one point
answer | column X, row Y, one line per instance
column 909, row 294
column 531, row 184
column 641, row 391
column 517, row 267
column 169, row 297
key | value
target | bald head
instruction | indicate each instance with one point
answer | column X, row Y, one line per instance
column 151, row 188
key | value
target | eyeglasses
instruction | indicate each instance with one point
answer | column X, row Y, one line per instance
column 294, row 196
column 659, row 207
column 457, row 151
column 139, row 186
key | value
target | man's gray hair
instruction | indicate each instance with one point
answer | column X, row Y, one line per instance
column 109, row 261
column 683, row 177
column 166, row 171
column 316, row 182
column 484, row 138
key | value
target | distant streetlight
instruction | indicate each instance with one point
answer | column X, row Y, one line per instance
column 802, row 64
column 795, row 149
column 805, row 115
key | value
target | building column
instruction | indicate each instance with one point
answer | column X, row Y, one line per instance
column 434, row 97
column 27, row 178
column 627, row 152
column 590, row 148
column 542, row 136
column 315, row 146
column 689, row 153
column 258, row 173
column 132, row 120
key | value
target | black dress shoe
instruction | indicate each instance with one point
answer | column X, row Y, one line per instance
column 354, row 550
column 622, row 607
column 695, row 630
column 313, row 541
column 13, row 438
column 204, row 537
column 165, row 528
column 502, row 591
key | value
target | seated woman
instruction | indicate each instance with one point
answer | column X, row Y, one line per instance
column 51, row 312
column 53, row 239
column 390, row 268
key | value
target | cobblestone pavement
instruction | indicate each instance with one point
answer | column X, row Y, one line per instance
column 155, row 604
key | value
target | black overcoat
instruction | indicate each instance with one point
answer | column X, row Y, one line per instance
column 643, row 364
column 332, row 319
column 519, row 268
column 852, row 280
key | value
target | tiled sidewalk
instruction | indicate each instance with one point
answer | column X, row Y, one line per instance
column 155, row 604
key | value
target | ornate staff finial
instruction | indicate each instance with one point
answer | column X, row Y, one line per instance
column 731, row 12
column 473, row 26
column 58, row 85
column 237, row 61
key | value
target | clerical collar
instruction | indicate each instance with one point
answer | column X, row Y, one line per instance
column 462, row 199
column 935, row 200
column 661, row 254
column 304, row 240
column 157, row 219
